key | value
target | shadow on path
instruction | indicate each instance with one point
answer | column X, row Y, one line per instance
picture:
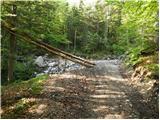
column 98, row 92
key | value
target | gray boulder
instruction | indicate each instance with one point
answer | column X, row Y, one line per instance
column 40, row 61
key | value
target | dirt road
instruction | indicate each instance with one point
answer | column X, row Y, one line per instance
column 98, row 92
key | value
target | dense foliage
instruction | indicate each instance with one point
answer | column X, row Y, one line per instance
column 108, row 28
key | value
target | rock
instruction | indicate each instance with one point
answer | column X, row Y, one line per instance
column 18, row 96
column 52, row 64
column 51, row 70
column 62, row 62
column 40, row 74
column 73, row 67
column 40, row 61
column 54, row 70
column 47, row 71
column 69, row 63
column 46, row 55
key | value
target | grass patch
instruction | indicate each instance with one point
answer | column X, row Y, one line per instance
column 17, row 96
column 23, row 88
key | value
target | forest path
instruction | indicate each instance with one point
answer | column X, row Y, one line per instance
column 98, row 92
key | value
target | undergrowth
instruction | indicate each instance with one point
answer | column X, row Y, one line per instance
column 23, row 88
column 17, row 97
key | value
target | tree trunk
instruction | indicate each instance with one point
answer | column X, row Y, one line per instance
column 120, row 14
column 157, row 35
column 12, row 45
column 75, row 37
column 106, row 29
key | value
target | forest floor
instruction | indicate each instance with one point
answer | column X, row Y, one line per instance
column 99, row 92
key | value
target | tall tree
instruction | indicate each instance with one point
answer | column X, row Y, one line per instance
column 12, row 45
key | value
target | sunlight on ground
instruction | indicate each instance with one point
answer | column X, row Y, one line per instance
column 69, row 75
column 22, row 102
column 109, row 92
column 39, row 109
column 106, row 96
column 114, row 116
column 1, row 111
column 102, row 107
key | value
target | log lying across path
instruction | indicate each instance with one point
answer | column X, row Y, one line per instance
column 45, row 46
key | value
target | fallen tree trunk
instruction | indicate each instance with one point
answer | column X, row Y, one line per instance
column 47, row 47
column 58, row 50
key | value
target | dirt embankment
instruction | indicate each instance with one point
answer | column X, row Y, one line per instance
column 140, row 78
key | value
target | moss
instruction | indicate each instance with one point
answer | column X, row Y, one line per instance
column 154, row 69
column 23, row 88
column 36, row 84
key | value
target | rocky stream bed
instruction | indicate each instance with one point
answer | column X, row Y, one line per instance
column 48, row 65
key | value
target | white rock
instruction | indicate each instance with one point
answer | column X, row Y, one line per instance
column 52, row 64
column 69, row 62
column 62, row 62
column 46, row 71
column 40, row 61
column 55, row 69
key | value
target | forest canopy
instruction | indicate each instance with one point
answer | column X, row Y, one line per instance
column 89, row 29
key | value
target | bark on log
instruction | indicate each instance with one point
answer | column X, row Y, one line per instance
column 47, row 47
column 12, row 45
column 58, row 50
